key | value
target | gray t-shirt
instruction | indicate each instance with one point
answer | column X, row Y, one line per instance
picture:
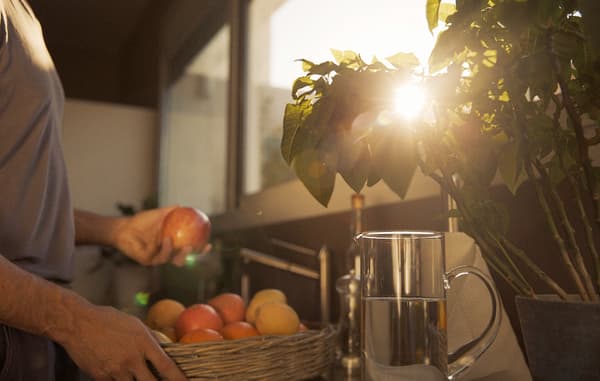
column 36, row 217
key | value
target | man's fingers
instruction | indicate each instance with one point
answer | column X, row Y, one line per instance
column 166, row 248
column 122, row 376
column 141, row 372
column 181, row 255
column 163, row 364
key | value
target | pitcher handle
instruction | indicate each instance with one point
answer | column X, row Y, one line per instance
column 461, row 359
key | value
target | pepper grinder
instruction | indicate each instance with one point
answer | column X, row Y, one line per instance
column 348, row 349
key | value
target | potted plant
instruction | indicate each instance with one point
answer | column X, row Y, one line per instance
column 514, row 98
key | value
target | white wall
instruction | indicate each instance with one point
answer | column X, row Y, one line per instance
column 110, row 154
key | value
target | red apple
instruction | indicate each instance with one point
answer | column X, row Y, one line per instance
column 197, row 316
column 186, row 227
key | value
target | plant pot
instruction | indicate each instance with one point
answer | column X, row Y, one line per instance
column 562, row 338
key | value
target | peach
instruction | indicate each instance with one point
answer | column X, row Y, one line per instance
column 277, row 319
column 197, row 316
column 238, row 330
column 163, row 313
column 201, row 335
column 231, row 307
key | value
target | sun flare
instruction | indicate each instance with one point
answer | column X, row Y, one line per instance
column 409, row 100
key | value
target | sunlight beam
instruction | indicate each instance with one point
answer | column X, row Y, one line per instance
column 409, row 101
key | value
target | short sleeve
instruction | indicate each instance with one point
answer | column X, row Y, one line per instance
column 3, row 25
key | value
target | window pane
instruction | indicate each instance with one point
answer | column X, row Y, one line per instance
column 193, row 145
column 281, row 32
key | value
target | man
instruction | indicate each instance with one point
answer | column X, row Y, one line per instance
column 38, row 230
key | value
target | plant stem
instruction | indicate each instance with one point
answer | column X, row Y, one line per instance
column 579, row 263
column 500, row 268
column 573, row 184
column 519, row 284
column 450, row 187
column 496, row 264
column 589, row 230
column 537, row 270
column 581, row 142
column 509, row 260
column 555, row 233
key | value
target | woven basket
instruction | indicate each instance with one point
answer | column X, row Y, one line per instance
column 301, row 356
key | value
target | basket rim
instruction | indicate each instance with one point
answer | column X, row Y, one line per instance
column 299, row 356
column 310, row 333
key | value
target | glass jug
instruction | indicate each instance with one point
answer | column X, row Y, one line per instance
column 403, row 306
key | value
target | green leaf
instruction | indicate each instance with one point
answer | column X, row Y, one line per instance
column 548, row 11
column 373, row 177
column 292, row 119
column 353, row 160
column 299, row 84
column 377, row 66
column 569, row 152
column 556, row 174
column 403, row 60
column 319, row 86
column 510, row 166
column 345, row 57
column 395, row 158
column 316, row 169
column 446, row 9
column 540, row 130
column 338, row 55
column 323, row 68
column 432, row 13
column 306, row 64
column 444, row 50
column 356, row 177
column 490, row 57
column 565, row 45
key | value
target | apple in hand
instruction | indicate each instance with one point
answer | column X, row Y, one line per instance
column 186, row 227
column 197, row 316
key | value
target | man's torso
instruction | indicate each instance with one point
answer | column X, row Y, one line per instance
column 36, row 223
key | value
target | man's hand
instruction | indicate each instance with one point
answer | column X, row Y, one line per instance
column 139, row 237
column 104, row 342
column 110, row 345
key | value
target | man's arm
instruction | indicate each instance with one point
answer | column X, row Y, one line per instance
column 136, row 236
column 102, row 341
column 91, row 228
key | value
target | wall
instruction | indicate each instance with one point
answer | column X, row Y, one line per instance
column 110, row 154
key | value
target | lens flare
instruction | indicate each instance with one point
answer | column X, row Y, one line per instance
column 409, row 101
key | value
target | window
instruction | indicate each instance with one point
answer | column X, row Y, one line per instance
column 194, row 142
column 193, row 145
